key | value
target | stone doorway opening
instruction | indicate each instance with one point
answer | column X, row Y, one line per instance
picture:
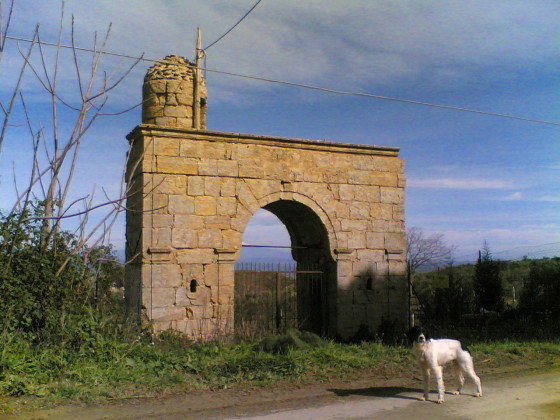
column 274, row 295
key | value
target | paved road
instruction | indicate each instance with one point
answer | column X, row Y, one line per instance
column 522, row 396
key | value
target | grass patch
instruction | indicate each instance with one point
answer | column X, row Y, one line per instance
column 115, row 366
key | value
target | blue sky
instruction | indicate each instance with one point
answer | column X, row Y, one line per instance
column 471, row 177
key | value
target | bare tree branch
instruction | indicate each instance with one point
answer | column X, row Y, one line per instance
column 427, row 251
column 16, row 90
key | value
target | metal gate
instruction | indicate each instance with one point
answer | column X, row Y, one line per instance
column 272, row 298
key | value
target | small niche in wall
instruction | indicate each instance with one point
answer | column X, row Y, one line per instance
column 369, row 282
column 193, row 286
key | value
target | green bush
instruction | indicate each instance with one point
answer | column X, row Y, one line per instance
column 44, row 285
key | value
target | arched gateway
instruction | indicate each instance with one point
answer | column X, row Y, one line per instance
column 192, row 192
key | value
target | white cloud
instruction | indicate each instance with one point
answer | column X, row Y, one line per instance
column 264, row 228
column 340, row 44
column 514, row 197
column 550, row 198
column 462, row 183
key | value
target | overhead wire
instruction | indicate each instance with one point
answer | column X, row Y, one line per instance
column 233, row 27
column 312, row 87
column 469, row 256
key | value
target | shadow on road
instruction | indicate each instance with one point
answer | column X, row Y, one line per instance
column 382, row 391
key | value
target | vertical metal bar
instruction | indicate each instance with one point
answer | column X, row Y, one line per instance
column 278, row 303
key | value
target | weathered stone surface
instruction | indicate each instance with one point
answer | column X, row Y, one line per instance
column 205, row 206
column 165, row 275
column 195, row 186
column 163, row 297
column 181, row 204
column 176, row 165
column 210, row 238
column 170, row 184
column 184, row 238
column 168, row 313
column 227, row 206
column 212, row 186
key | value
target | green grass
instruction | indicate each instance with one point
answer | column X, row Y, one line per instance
column 116, row 367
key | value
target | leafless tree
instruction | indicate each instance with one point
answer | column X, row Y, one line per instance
column 52, row 174
column 426, row 250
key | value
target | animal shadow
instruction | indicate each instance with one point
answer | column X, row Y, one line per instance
column 381, row 391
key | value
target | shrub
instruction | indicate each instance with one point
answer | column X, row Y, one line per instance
column 43, row 283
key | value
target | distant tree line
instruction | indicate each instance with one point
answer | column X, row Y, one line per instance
column 490, row 292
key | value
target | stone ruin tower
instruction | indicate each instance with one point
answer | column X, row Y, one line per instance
column 168, row 94
column 192, row 192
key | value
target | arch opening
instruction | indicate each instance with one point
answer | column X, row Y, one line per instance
column 295, row 286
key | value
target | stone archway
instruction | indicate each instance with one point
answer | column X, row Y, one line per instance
column 192, row 192
column 311, row 249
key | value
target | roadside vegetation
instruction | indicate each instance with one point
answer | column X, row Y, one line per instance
column 65, row 338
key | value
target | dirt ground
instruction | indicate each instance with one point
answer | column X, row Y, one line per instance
column 356, row 399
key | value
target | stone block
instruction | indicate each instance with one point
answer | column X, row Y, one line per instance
column 395, row 241
column 212, row 186
column 346, row 192
column 375, row 240
column 392, row 195
column 367, row 193
column 227, row 187
column 166, row 146
column 210, row 238
column 353, row 225
column 184, row 238
column 359, row 211
column 246, row 197
column 181, row 298
column 176, row 165
column 205, row 206
column 228, row 168
column 371, row 254
column 161, row 237
column 357, row 240
column 160, row 326
column 250, row 170
column 181, row 204
column 399, row 212
column 211, row 275
column 195, row 256
column 162, row 220
column 208, row 167
column 381, row 211
column 227, row 206
column 170, row 313
column 162, row 297
column 166, row 121
column 195, row 186
column 165, row 275
column 192, row 222
column 232, row 239
column 169, row 184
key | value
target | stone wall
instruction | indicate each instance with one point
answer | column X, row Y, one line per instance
column 168, row 94
column 195, row 192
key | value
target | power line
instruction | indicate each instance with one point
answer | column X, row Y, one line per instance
column 65, row 46
column 310, row 87
column 522, row 247
column 386, row 98
column 233, row 27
